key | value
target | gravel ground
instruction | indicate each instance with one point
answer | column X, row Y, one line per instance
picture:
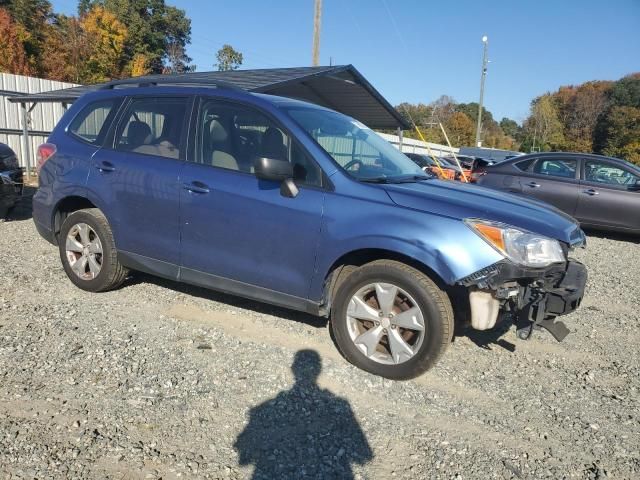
column 160, row 380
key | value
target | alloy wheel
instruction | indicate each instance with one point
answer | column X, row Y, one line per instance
column 385, row 323
column 84, row 251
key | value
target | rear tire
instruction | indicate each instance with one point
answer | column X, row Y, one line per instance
column 88, row 252
column 401, row 350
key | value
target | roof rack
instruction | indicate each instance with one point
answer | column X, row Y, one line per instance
column 151, row 82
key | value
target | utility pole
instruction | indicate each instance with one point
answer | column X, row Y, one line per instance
column 485, row 41
column 317, row 18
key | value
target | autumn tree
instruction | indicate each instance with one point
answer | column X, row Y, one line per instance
column 228, row 58
column 155, row 30
column 460, row 129
column 107, row 39
column 13, row 58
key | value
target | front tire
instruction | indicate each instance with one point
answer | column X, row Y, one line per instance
column 391, row 320
column 88, row 252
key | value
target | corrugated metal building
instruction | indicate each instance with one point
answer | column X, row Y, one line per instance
column 44, row 116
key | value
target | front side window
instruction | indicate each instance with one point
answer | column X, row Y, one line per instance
column 153, row 126
column 233, row 137
column 358, row 150
column 91, row 122
column 607, row 173
column 564, row 168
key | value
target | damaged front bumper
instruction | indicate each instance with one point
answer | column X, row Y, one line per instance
column 529, row 296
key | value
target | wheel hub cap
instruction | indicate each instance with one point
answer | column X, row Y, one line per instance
column 83, row 250
column 385, row 323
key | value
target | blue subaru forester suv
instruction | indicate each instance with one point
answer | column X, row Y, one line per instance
column 296, row 205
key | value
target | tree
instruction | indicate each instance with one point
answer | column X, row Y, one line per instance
column 544, row 130
column 13, row 58
column 66, row 47
column 622, row 129
column 460, row 129
column 510, row 127
column 31, row 17
column 228, row 58
column 178, row 34
column 152, row 27
column 107, row 38
column 626, row 91
column 138, row 66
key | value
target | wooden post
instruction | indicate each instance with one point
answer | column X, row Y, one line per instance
column 400, row 138
column 317, row 18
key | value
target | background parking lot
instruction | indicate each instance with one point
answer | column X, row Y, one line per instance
column 161, row 380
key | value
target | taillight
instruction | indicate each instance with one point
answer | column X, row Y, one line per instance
column 45, row 152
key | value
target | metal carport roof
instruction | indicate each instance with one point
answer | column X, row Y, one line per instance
column 340, row 88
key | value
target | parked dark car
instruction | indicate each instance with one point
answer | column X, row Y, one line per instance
column 10, row 180
column 289, row 203
column 600, row 192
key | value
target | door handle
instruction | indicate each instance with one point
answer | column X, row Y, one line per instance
column 196, row 187
column 591, row 192
column 105, row 167
column 533, row 184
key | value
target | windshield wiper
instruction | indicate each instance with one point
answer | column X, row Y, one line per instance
column 375, row 180
column 412, row 178
column 399, row 179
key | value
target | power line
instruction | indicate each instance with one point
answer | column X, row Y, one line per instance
column 395, row 25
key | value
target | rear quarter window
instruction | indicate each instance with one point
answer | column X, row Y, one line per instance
column 91, row 123
column 524, row 165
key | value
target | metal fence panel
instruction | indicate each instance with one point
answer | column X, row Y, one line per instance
column 44, row 116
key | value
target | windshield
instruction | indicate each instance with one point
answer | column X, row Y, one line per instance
column 358, row 150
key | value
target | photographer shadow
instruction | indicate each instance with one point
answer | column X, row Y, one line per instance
column 305, row 431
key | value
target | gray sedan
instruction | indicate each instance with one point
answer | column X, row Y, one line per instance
column 600, row 192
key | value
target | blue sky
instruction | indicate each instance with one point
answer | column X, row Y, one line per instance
column 415, row 51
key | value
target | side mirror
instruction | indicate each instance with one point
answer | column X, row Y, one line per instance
column 277, row 171
column 634, row 187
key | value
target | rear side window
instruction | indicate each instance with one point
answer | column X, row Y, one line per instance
column 91, row 123
column 153, row 126
column 564, row 168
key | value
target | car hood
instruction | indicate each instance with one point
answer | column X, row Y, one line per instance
column 460, row 200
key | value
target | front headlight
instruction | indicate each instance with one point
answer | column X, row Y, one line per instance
column 519, row 246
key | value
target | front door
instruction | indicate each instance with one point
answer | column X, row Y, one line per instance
column 136, row 177
column 239, row 232
column 607, row 196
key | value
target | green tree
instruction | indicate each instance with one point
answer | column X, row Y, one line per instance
column 510, row 127
column 543, row 128
column 626, row 91
column 622, row 129
column 228, row 58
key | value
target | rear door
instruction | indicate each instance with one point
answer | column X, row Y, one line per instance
column 606, row 199
column 554, row 180
column 136, row 177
